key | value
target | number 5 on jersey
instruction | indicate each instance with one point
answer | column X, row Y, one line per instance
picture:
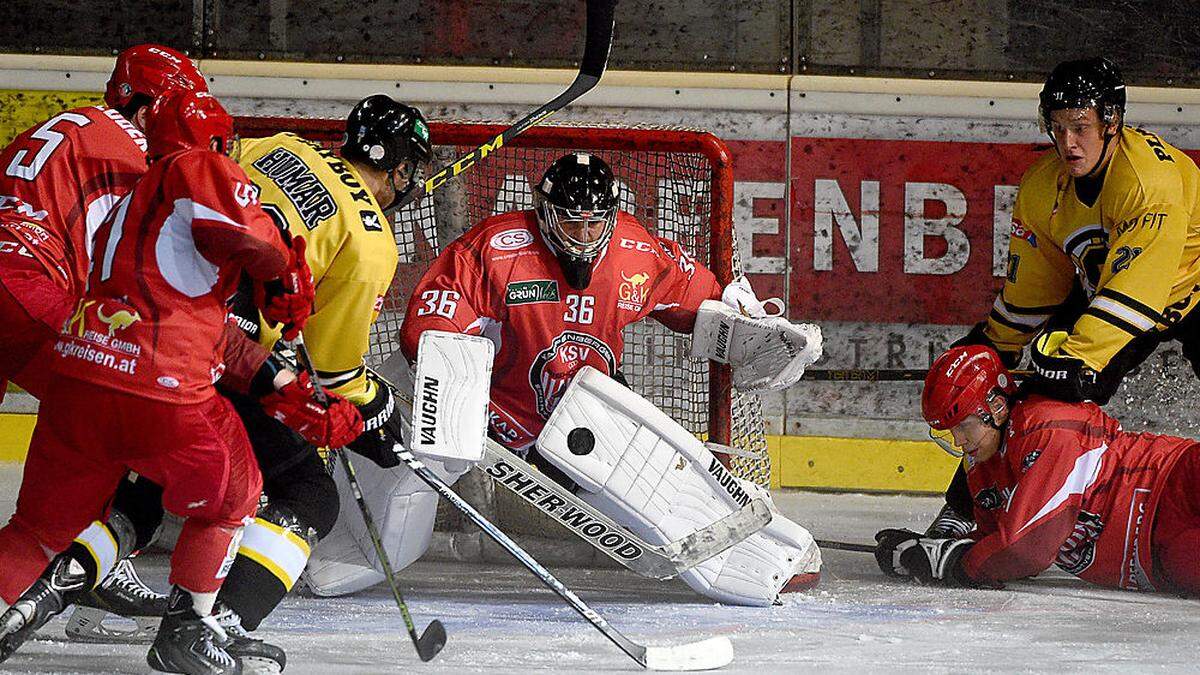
column 441, row 303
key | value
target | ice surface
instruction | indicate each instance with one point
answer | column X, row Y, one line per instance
column 501, row 620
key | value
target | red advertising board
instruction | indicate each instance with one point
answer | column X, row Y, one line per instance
column 880, row 230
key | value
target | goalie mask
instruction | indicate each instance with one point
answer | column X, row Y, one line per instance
column 387, row 135
column 962, row 382
column 576, row 204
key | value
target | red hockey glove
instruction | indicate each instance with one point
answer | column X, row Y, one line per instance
column 296, row 406
column 289, row 299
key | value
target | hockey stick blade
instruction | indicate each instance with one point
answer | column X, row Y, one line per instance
column 431, row 641
column 597, row 44
column 707, row 654
column 710, row 541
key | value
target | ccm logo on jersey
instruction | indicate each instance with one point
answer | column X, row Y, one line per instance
column 511, row 240
column 634, row 245
column 579, row 521
column 429, row 410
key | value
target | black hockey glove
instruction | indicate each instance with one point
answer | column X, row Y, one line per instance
column 904, row 553
column 1065, row 377
column 381, row 427
column 976, row 336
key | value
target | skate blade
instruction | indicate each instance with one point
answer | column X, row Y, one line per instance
column 88, row 624
column 257, row 666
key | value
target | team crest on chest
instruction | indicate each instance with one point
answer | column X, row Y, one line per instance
column 555, row 365
column 632, row 293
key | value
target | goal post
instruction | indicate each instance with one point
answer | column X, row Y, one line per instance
column 677, row 182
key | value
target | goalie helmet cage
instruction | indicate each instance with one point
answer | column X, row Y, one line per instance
column 679, row 184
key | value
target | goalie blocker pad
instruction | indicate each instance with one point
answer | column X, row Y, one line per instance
column 405, row 508
column 450, row 397
column 765, row 354
column 642, row 469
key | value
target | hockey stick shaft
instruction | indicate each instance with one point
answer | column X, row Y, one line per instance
column 845, row 546
column 877, row 374
column 434, row 638
column 597, row 43
column 634, row 650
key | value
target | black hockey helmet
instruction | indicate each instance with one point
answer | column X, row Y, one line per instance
column 383, row 133
column 1084, row 83
column 576, row 203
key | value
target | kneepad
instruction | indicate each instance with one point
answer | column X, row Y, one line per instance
column 642, row 469
column 404, row 508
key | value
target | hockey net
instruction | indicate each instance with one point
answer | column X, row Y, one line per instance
column 677, row 182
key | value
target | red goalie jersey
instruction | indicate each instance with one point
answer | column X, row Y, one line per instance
column 1069, row 487
column 501, row 280
column 153, row 318
column 58, row 181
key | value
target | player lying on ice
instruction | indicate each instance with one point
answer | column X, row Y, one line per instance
column 1053, row 483
column 1104, row 256
column 553, row 288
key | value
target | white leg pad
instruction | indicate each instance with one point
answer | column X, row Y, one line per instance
column 404, row 508
column 650, row 475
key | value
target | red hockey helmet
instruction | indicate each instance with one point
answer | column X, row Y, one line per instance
column 150, row 70
column 959, row 384
column 182, row 119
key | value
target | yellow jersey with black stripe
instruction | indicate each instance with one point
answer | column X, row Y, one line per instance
column 1135, row 249
column 351, row 250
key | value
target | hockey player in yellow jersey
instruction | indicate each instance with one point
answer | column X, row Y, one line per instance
column 335, row 199
column 1115, row 210
column 1104, row 257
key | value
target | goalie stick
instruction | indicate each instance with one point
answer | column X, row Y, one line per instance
column 707, row 654
column 587, row 523
column 430, row 642
column 598, row 41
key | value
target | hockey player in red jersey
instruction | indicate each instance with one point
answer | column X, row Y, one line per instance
column 554, row 288
column 58, row 181
column 1053, row 483
column 136, row 362
column 555, row 297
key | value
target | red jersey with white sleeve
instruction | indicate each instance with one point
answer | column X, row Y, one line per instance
column 1069, row 487
column 167, row 258
column 501, row 280
column 61, row 178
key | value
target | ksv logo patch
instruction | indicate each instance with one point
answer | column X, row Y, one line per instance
column 511, row 240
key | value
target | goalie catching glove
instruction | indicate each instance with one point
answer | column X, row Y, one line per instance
column 295, row 404
column 906, row 554
column 766, row 353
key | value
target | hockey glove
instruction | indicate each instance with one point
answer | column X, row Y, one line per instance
column 904, row 553
column 381, row 427
column 1064, row 377
column 295, row 404
column 976, row 336
column 289, row 299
